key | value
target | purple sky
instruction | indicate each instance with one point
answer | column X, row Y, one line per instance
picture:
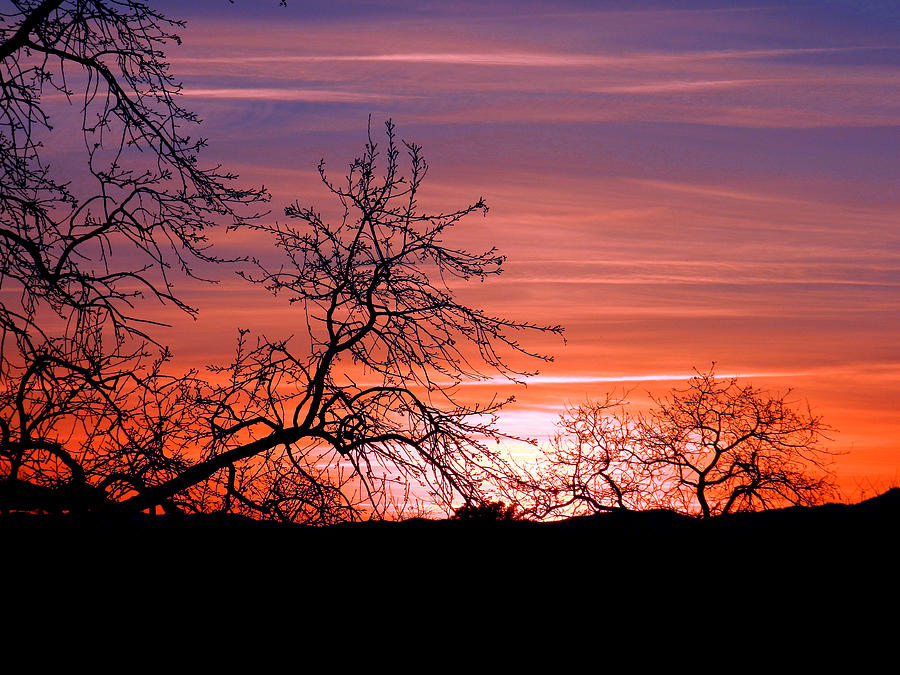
column 676, row 183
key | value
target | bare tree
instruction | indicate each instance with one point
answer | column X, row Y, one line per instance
column 331, row 424
column 719, row 446
column 367, row 400
column 588, row 467
column 84, row 240
column 714, row 447
column 96, row 70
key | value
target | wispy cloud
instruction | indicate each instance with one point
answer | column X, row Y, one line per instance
column 672, row 186
column 718, row 191
column 868, row 370
column 708, row 273
column 579, row 109
column 666, row 279
column 281, row 94
column 612, row 379
column 680, row 86
column 529, row 59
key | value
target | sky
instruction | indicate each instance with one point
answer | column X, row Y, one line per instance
column 676, row 183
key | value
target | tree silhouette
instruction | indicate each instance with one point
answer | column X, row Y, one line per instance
column 714, row 447
column 367, row 401
column 331, row 424
column 487, row 510
column 141, row 190
column 588, row 467
column 82, row 244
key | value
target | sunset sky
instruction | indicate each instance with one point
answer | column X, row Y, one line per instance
column 675, row 183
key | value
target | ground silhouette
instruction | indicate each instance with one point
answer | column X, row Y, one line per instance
column 842, row 531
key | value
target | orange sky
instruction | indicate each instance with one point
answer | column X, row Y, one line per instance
column 674, row 186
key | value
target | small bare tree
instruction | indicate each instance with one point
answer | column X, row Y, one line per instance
column 587, row 469
column 714, row 447
column 718, row 446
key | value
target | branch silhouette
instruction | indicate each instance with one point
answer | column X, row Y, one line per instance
column 326, row 427
column 373, row 293
column 82, row 248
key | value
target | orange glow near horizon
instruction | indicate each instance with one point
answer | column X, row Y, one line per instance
column 675, row 188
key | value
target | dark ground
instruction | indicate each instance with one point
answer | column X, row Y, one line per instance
column 604, row 573
column 846, row 532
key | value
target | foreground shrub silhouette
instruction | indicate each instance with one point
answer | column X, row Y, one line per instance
column 487, row 511
column 332, row 424
column 715, row 447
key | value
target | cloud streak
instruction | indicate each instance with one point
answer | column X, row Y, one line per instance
column 614, row 379
column 530, row 59
column 282, row 94
column 675, row 187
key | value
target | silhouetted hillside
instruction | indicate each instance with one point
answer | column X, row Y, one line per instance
column 843, row 530
column 787, row 564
